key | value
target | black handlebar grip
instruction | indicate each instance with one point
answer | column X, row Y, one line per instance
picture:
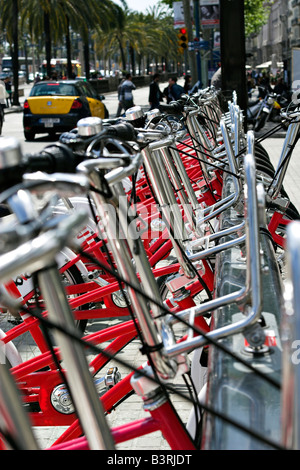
column 175, row 107
column 123, row 130
column 57, row 158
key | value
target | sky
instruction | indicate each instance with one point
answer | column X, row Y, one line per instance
column 139, row 5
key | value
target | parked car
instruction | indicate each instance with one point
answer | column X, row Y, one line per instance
column 57, row 106
column 4, row 75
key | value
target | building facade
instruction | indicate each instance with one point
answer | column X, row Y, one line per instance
column 272, row 46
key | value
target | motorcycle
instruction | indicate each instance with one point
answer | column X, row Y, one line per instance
column 265, row 108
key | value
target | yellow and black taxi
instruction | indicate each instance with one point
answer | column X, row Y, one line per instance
column 56, row 106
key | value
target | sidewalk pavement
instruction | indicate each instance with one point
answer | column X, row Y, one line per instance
column 19, row 108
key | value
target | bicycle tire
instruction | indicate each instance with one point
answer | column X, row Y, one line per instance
column 262, row 121
column 265, row 164
column 262, row 157
column 74, row 275
column 260, row 148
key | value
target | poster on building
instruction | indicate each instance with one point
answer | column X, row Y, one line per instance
column 217, row 39
column 179, row 14
column 209, row 13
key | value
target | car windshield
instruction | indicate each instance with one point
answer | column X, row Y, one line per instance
column 50, row 89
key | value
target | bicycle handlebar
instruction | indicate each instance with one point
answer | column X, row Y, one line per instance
column 174, row 107
column 36, row 254
column 53, row 158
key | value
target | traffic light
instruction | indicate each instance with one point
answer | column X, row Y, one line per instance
column 182, row 40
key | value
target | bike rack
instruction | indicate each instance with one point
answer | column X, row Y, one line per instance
column 231, row 388
column 290, row 412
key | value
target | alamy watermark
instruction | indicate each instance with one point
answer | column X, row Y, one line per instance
column 147, row 221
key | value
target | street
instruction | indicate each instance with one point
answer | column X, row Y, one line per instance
column 13, row 126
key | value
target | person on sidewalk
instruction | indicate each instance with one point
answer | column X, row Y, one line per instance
column 3, row 95
column 187, row 84
column 167, row 93
column 126, row 92
column 173, row 91
column 120, row 105
column 8, row 86
column 155, row 95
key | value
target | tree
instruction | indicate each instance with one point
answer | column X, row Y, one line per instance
column 15, row 60
column 52, row 20
column 10, row 23
column 256, row 13
column 149, row 34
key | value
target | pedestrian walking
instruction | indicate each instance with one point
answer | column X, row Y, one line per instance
column 167, row 93
column 8, row 87
column 155, row 95
column 173, row 91
column 187, row 83
column 120, row 105
column 3, row 94
column 126, row 92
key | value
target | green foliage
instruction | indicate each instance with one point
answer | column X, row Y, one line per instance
column 256, row 14
column 149, row 34
column 168, row 2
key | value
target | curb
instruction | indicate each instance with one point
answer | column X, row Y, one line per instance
column 13, row 109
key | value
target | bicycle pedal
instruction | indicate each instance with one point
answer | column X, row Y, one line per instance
column 109, row 380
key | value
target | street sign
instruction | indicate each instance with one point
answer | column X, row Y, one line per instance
column 197, row 45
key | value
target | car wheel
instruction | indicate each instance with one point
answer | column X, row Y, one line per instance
column 29, row 135
column 106, row 113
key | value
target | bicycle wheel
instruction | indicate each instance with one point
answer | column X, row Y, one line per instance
column 261, row 122
column 29, row 340
column 260, row 148
column 71, row 276
column 259, row 161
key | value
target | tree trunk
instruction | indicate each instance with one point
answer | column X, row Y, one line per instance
column 122, row 56
column 132, row 59
column 86, row 53
column 47, row 43
column 15, row 54
column 68, row 47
